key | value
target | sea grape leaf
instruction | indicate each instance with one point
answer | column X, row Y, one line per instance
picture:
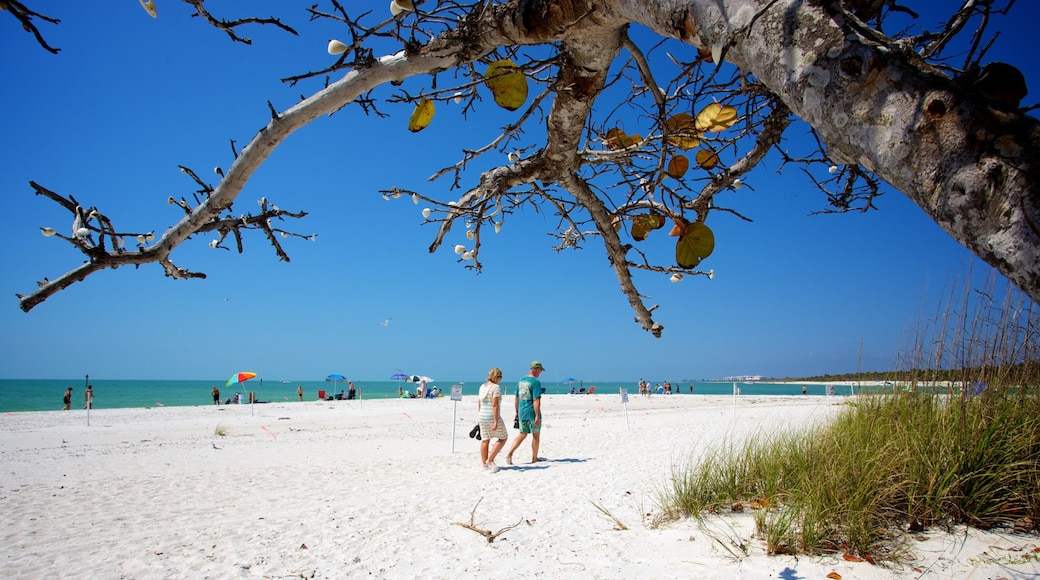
column 696, row 243
column 643, row 224
column 678, row 228
column 707, row 159
column 682, row 131
column 618, row 139
column 678, row 165
column 421, row 116
column 507, row 83
column 716, row 117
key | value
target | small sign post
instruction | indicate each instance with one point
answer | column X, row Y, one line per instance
column 624, row 401
column 456, row 396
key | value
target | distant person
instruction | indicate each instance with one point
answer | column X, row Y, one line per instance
column 67, row 399
column 804, row 389
column 216, row 395
column 352, row 393
column 88, row 397
column 528, row 405
column 489, row 417
column 299, row 392
column 691, row 388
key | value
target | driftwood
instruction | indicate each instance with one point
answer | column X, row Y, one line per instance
column 488, row 534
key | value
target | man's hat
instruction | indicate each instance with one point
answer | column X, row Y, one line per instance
column 537, row 365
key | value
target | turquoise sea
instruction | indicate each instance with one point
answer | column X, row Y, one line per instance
column 46, row 394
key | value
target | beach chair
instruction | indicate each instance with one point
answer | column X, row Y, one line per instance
column 321, row 395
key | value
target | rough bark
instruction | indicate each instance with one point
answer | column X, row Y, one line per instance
column 969, row 165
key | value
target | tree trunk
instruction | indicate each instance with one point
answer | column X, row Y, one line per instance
column 971, row 166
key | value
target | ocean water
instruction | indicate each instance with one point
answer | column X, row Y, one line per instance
column 46, row 394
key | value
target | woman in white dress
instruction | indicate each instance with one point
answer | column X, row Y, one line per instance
column 489, row 406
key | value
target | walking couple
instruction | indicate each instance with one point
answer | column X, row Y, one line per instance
column 528, row 416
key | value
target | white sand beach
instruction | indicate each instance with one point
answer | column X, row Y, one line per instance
column 374, row 489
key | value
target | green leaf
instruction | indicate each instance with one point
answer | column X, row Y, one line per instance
column 696, row 243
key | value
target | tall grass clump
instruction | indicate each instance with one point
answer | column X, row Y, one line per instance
column 923, row 453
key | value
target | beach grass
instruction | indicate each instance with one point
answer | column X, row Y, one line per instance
column 895, row 463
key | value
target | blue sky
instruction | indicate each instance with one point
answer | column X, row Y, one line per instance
column 130, row 98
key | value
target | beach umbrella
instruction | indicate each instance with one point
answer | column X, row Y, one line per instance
column 334, row 379
column 239, row 378
column 569, row 381
column 399, row 377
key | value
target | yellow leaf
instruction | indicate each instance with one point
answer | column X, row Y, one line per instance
column 716, row 117
column 678, row 165
column 707, row 159
column 682, row 131
column 643, row 224
column 421, row 116
column 149, row 7
column 507, row 83
column 696, row 243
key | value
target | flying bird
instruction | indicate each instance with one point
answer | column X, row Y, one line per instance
column 385, row 322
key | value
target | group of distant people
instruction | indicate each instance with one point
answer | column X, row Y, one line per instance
column 646, row 390
column 88, row 398
column 527, row 417
column 421, row 392
column 350, row 395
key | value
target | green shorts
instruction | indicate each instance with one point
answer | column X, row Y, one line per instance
column 530, row 427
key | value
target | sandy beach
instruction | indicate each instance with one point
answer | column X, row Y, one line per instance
column 375, row 489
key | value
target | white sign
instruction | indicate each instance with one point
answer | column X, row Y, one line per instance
column 624, row 395
column 456, row 392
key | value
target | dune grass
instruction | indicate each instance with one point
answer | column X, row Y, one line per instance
column 899, row 462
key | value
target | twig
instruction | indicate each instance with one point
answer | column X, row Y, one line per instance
column 488, row 534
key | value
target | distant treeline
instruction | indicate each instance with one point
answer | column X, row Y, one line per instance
column 1023, row 373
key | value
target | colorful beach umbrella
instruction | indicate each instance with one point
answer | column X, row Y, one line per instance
column 399, row 376
column 239, row 378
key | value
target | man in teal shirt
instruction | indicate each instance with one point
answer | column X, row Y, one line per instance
column 528, row 405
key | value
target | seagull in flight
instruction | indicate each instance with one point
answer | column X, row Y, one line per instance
column 385, row 322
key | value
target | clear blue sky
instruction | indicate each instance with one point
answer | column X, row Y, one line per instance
column 130, row 98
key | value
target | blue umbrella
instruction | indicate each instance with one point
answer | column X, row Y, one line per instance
column 569, row 381
column 334, row 379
